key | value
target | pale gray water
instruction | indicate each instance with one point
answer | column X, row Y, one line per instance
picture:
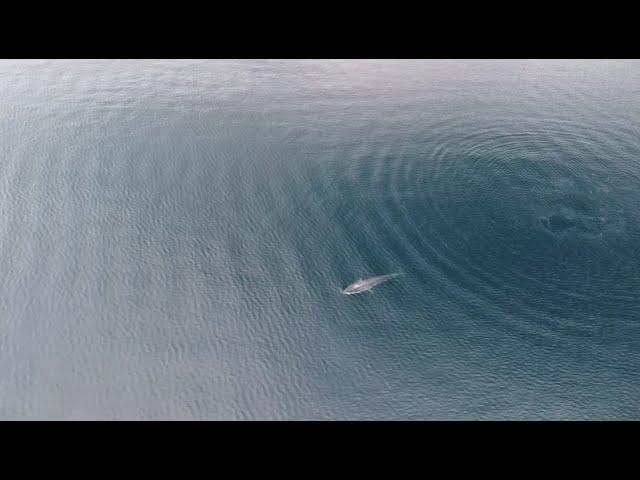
column 175, row 235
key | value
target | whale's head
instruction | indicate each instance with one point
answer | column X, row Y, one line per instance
column 354, row 287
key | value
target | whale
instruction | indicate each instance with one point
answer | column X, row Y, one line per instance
column 367, row 284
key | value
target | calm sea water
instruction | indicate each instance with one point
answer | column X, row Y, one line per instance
column 174, row 237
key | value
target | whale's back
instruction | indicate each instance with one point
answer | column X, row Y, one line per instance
column 368, row 284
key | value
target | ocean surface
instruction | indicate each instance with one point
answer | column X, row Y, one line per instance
column 175, row 236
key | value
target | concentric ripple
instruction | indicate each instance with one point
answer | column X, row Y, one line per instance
column 525, row 219
column 175, row 237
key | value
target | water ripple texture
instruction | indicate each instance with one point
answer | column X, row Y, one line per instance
column 175, row 236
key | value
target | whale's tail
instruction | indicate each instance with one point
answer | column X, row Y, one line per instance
column 387, row 277
column 392, row 275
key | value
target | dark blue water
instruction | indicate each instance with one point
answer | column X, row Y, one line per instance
column 174, row 237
